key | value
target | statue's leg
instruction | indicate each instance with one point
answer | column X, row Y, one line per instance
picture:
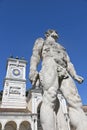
column 49, row 80
column 78, row 118
column 47, row 117
column 61, row 121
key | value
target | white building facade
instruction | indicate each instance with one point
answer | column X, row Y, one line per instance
column 14, row 113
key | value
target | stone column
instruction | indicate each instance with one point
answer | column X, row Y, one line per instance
column 3, row 127
column 18, row 126
column 34, row 123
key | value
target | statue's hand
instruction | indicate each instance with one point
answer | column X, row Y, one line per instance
column 79, row 79
column 33, row 76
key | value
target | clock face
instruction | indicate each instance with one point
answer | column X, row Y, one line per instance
column 16, row 72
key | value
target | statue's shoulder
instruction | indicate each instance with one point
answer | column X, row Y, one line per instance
column 39, row 40
column 39, row 43
column 61, row 47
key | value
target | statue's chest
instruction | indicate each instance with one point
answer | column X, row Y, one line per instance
column 52, row 49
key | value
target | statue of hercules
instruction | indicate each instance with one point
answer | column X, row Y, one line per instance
column 57, row 72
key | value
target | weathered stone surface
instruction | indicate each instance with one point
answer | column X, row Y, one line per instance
column 56, row 73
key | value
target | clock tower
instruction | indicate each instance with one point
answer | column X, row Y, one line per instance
column 15, row 84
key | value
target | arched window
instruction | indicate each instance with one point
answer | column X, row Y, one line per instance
column 0, row 126
column 11, row 125
column 25, row 125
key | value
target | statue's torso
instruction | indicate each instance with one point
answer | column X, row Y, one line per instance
column 55, row 51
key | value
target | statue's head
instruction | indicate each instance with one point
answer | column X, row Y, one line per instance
column 51, row 33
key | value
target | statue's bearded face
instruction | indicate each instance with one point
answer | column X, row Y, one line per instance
column 54, row 35
column 51, row 33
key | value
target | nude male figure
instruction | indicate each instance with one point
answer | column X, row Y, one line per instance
column 57, row 72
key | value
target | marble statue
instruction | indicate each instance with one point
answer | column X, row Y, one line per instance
column 57, row 72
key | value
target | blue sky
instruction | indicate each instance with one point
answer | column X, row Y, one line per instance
column 23, row 21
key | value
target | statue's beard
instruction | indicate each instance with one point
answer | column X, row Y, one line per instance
column 54, row 36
